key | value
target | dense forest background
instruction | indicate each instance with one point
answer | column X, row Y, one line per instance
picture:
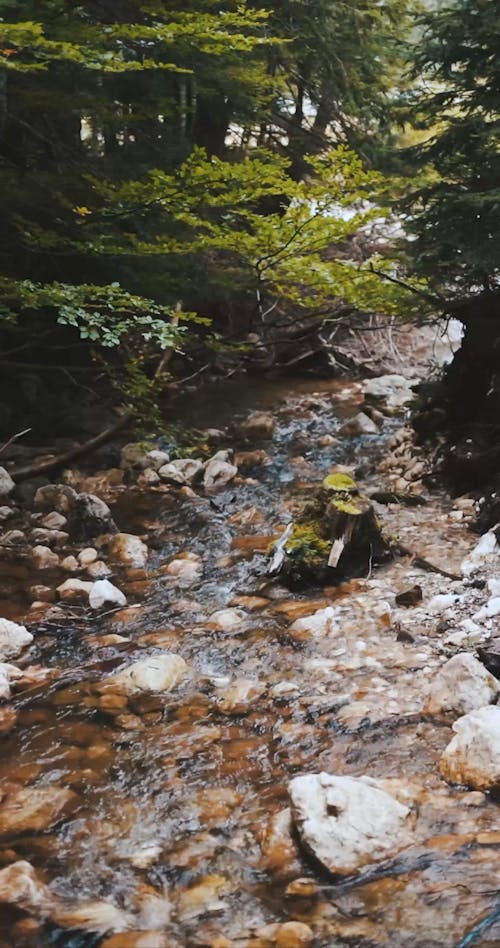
column 189, row 184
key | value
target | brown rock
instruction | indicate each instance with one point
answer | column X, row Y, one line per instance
column 33, row 809
column 294, row 935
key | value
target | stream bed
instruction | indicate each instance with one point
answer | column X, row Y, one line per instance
column 175, row 819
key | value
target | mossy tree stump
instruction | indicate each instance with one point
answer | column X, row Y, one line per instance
column 337, row 535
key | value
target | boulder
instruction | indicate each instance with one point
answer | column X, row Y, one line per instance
column 6, row 513
column 90, row 516
column 391, row 391
column 361, row 424
column 74, row 590
column 13, row 638
column 34, row 809
column 103, row 593
column 461, row 685
column 348, row 823
column 21, row 887
column 219, row 471
column 129, row 549
column 44, row 558
column 8, row 673
column 59, row 497
column 473, row 755
column 6, row 483
column 182, row 471
column 156, row 673
column 258, row 426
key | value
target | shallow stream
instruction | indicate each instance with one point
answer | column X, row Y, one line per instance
column 177, row 815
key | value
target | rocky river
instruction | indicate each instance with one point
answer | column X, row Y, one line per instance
column 194, row 754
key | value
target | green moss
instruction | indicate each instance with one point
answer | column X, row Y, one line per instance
column 340, row 482
column 345, row 506
column 306, row 541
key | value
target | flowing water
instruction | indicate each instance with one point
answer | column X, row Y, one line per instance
column 177, row 814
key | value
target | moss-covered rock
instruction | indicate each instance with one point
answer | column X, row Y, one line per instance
column 336, row 535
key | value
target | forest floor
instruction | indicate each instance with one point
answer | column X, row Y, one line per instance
column 154, row 811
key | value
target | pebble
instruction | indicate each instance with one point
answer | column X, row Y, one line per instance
column 103, row 593
column 74, row 590
column 87, row 556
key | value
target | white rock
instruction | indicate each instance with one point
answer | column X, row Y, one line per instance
column 74, row 590
column 156, row 459
column 129, row 549
column 442, row 601
column 13, row 638
column 219, row 471
column 153, row 674
column 6, row 483
column 491, row 609
column 473, row 756
column 4, row 683
column 87, row 556
column 348, row 823
column 493, row 586
column 228, row 620
column 6, row 513
column 359, row 425
column 20, row 886
column 320, row 623
column 181, row 471
column 461, row 685
column 185, row 569
column 103, row 593
column 486, row 549
column 393, row 390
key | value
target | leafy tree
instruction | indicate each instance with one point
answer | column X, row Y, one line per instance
column 455, row 212
column 97, row 95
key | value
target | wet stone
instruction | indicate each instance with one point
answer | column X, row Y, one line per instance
column 33, row 809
